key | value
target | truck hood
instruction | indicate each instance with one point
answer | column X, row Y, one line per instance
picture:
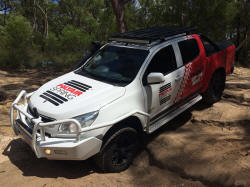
column 72, row 95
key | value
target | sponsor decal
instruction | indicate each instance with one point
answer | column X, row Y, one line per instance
column 65, row 92
column 164, row 93
column 71, row 90
column 196, row 79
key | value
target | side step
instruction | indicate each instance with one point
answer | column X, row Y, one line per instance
column 154, row 126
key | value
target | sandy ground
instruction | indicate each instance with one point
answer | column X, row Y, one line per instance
column 204, row 146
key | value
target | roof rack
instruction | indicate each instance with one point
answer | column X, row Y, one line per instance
column 148, row 36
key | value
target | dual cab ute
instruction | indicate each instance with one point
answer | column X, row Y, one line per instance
column 130, row 87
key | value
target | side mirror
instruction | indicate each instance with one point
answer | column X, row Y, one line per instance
column 155, row 78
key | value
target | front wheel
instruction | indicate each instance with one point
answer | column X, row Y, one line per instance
column 215, row 88
column 119, row 150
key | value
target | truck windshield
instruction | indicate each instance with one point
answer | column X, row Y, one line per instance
column 114, row 64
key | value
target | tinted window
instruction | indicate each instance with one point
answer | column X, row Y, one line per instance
column 189, row 50
column 209, row 47
column 163, row 62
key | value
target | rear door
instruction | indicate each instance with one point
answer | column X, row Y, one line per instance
column 161, row 96
column 193, row 63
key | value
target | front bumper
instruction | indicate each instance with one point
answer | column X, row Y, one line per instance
column 73, row 148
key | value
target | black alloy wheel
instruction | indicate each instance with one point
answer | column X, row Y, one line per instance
column 118, row 152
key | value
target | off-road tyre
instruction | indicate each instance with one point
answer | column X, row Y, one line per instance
column 215, row 88
column 118, row 151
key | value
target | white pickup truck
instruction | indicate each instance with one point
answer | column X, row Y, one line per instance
column 131, row 86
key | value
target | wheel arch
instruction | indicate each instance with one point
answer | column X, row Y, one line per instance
column 220, row 70
column 217, row 70
column 215, row 88
column 131, row 121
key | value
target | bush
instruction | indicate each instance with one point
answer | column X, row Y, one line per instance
column 15, row 43
column 73, row 39
column 66, row 61
column 52, row 44
column 65, row 50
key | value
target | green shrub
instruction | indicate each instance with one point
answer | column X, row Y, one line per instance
column 73, row 39
column 52, row 45
column 61, row 62
column 15, row 43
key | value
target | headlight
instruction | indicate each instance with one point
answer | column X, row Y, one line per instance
column 67, row 128
column 85, row 120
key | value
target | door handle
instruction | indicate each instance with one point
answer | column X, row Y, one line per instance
column 178, row 77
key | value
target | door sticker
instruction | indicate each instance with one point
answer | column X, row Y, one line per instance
column 196, row 79
column 184, row 82
column 164, row 93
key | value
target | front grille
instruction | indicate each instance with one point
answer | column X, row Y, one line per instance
column 30, row 111
column 44, row 119
column 29, row 122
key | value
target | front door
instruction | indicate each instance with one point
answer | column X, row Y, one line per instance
column 161, row 96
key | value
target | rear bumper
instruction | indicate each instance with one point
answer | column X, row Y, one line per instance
column 68, row 148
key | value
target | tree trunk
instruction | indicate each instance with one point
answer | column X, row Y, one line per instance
column 4, row 16
column 46, row 24
column 238, row 40
column 34, row 27
column 119, row 10
column 246, row 8
column 46, row 30
column 245, row 53
column 242, row 46
column 182, row 14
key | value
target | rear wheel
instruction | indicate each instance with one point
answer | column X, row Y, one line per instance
column 215, row 88
column 119, row 150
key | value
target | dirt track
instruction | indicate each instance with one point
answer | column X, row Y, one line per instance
column 202, row 147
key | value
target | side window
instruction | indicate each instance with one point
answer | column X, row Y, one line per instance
column 163, row 62
column 189, row 50
column 209, row 47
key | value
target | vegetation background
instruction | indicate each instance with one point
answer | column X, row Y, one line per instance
column 57, row 33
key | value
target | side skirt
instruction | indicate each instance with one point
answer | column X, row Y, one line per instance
column 166, row 117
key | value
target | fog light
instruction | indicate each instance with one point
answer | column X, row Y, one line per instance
column 47, row 151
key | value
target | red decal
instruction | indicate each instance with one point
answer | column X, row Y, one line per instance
column 166, row 91
column 71, row 90
column 78, row 93
column 62, row 86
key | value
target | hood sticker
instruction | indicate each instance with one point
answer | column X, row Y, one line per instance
column 64, row 92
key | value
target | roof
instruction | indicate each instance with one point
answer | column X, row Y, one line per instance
column 150, row 35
